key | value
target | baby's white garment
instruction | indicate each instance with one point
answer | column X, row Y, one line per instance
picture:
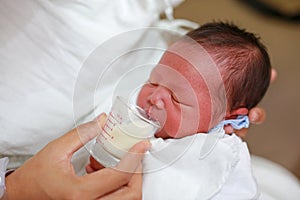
column 174, row 169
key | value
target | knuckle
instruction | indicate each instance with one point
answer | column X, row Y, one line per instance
column 124, row 180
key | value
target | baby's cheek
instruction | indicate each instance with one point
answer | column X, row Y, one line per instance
column 181, row 122
column 171, row 130
column 172, row 126
column 140, row 103
column 161, row 117
column 141, row 99
column 158, row 115
column 190, row 119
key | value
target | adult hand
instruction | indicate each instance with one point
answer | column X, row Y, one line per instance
column 256, row 115
column 50, row 174
column 134, row 184
column 94, row 165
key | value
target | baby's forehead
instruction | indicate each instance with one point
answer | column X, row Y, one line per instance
column 168, row 75
column 190, row 62
column 193, row 64
column 175, row 82
column 190, row 58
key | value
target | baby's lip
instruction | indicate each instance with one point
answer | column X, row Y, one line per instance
column 146, row 109
column 150, row 113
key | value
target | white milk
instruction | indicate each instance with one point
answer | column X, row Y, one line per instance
column 123, row 136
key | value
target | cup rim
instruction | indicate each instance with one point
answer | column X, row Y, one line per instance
column 131, row 106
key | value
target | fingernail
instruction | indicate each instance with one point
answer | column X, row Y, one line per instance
column 147, row 145
column 254, row 117
column 100, row 117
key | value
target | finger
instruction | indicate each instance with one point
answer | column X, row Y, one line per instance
column 88, row 131
column 101, row 119
column 76, row 138
column 274, row 75
column 228, row 129
column 110, row 179
column 95, row 165
column 91, row 129
column 242, row 133
column 133, row 190
column 137, row 179
column 89, row 169
column 132, row 159
column 257, row 115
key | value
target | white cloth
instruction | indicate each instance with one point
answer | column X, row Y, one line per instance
column 3, row 164
column 174, row 170
column 42, row 47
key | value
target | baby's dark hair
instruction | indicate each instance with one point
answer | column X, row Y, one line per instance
column 242, row 59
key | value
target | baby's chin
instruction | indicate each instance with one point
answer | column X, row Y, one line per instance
column 166, row 135
column 162, row 134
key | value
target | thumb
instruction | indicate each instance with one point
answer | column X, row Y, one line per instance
column 133, row 158
column 257, row 115
column 115, row 178
column 79, row 136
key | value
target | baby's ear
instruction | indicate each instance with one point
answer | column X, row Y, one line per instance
column 234, row 113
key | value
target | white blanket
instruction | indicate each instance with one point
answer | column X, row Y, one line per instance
column 43, row 47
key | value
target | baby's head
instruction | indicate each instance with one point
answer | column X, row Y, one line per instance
column 195, row 86
column 242, row 59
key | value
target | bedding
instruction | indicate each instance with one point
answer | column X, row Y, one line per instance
column 43, row 46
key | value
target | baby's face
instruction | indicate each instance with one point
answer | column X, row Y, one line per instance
column 176, row 95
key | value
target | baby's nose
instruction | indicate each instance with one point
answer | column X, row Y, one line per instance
column 160, row 97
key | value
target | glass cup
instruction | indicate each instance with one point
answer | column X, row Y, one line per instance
column 126, row 125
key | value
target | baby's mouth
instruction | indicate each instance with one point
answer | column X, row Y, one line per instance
column 149, row 112
column 156, row 115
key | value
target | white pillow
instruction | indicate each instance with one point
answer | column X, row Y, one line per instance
column 43, row 45
column 275, row 181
